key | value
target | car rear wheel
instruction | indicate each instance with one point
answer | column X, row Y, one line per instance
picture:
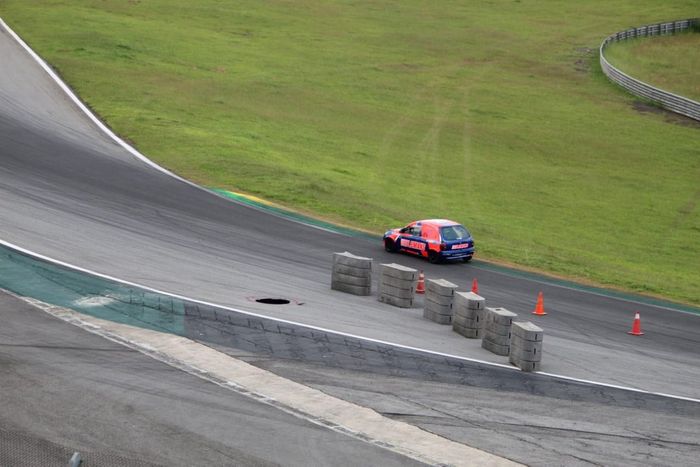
column 389, row 245
column 467, row 259
column 433, row 257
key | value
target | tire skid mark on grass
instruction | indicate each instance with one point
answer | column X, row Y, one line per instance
column 685, row 211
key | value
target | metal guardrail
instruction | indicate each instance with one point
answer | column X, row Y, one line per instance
column 668, row 100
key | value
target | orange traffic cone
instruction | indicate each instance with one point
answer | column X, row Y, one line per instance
column 421, row 283
column 636, row 326
column 475, row 286
column 539, row 308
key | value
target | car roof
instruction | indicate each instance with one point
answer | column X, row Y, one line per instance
column 438, row 222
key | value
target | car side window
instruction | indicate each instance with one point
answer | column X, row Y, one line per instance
column 415, row 231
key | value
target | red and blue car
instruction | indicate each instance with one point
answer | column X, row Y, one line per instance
column 435, row 239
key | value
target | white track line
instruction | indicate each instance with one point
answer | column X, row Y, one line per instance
column 337, row 333
column 133, row 151
column 87, row 111
column 238, row 310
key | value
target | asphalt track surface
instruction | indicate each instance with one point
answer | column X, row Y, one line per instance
column 65, row 390
column 69, row 192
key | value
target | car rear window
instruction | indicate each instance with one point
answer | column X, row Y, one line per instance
column 454, row 232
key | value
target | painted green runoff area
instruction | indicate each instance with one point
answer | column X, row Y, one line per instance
column 371, row 114
column 89, row 294
column 671, row 62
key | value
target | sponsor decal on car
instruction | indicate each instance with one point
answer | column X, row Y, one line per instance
column 412, row 244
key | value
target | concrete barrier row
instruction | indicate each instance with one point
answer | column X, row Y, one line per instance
column 353, row 274
column 465, row 311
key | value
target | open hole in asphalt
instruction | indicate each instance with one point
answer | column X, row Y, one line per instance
column 273, row 301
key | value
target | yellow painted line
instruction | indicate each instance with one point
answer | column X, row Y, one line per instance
column 254, row 199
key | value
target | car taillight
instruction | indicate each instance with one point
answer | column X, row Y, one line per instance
column 443, row 247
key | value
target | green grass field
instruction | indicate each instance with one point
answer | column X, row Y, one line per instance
column 671, row 63
column 372, row 114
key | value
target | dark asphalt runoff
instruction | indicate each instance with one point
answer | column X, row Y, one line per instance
column 69, row 192
column 63, row 389
column 533, row 429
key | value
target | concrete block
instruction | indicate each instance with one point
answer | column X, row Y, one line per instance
column 497, row 338
column 459, row 312
column 399, row 272
column 439, row 299
column 470, row 300
column 533, row 355
column 498, row 349
column 466, row 322
column 352, row 280
column 526, row 346
column 496, row 329
column 500, row 315
column 467, row 332
column 396, row 292
column 440, row 287
column 524, row 365
column 530, row 366
column 437, row 307
column 527, row 331
column 348, row 259
column 399, row 302
column 351, row 270
column 473, row 315
column 437, row 318
column 525, row 358
column 351, row 289
column 397, row 283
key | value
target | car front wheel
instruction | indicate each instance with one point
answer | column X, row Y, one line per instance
column 389, row 245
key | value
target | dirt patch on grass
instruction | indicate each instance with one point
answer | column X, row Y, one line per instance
column 585, row 58
column 670, row 117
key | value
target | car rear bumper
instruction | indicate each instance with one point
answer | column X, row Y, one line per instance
column 457, row 254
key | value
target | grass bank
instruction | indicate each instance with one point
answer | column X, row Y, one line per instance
column 671, row 63
column 376, row 113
